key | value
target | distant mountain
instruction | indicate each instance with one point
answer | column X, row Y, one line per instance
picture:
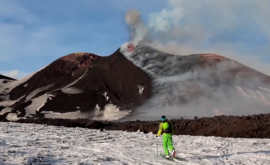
column 136, row 83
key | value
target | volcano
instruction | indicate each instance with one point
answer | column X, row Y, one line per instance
column 135, row 82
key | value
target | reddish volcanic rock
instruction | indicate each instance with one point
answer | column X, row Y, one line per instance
column 56, row 75
column 121, row 80
column 82, row 84
column 110, row 80
column 73, row 65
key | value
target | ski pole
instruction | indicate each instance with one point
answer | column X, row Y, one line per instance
column 157, row 148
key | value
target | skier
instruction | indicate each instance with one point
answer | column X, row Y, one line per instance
column 166, row 129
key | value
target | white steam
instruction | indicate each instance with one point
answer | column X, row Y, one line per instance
column 192, row 27
column 183, row 85
column 138, row 30
column 160, row 21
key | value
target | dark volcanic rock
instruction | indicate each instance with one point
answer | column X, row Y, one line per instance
column 62, row 102
column 110, row 80
column 56, row 75
column 255, row 126
column 120, row 79
column 83, row 84
column 84, row 123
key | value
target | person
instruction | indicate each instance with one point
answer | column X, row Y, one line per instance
column 166, row 129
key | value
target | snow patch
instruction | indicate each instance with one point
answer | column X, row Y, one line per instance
column 37, row 103
column 1, row 85
column 141, row 89
column 106, row 96
column 71, row 90
column 68, row 115
column 40, row 107
column 111, row 112
column 25, row 85
column 5, row 110
column 76, row 80
column 12, row 117
column 7, row 103
column 50, row 96
column 36, row 91
column 97, row 108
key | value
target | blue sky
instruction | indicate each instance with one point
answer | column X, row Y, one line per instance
column 33, row 33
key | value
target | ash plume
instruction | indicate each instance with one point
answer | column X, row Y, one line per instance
column 138, row 30
column 197, row 84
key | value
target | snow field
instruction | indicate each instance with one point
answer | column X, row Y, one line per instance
column 40, row 144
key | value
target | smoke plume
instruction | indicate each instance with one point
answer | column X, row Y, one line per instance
column 191, row 85
column 238, row 30
column 138, row 30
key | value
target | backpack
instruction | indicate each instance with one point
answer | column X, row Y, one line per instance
column 167, row 128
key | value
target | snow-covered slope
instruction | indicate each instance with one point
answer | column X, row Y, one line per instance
column 41, row 144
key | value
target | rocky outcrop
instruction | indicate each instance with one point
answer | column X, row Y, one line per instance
column 254, row 126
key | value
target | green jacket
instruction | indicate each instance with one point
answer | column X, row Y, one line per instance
column 161, row 129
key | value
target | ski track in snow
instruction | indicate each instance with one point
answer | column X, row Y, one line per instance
column 41, row 144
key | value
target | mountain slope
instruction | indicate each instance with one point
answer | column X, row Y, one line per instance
column 137, row 82
column 199, row 84
column 81, row 86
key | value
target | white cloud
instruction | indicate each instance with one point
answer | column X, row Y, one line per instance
column 161, row 21
column 211, row 26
